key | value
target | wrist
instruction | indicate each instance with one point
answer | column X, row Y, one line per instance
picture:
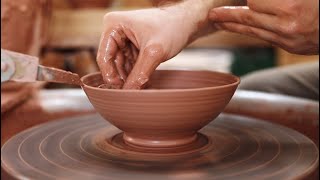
column 191, row 15
column 194, row 14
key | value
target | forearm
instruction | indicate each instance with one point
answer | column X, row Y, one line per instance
column 195, row 12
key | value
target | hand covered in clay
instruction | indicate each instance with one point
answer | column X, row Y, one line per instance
column 290, row 24
column 134, row 43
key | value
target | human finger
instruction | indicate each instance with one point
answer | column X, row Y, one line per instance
column 148, row 60
column 130, row 58
column 251, row 31
column 120, row 65
column 244, row 15
column 106, row 55
column 271, row 7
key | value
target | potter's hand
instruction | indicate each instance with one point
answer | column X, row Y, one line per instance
column 290, row 24
column 134, row 43
column 7, row 66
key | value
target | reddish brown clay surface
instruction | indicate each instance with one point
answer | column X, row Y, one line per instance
column 50, row 74
column 296, row 113
column 11, row 86
column 167, row 114
column 40, row 107
column 88, row 147
column 13, row 93
column 22, row 22
column 11, row 98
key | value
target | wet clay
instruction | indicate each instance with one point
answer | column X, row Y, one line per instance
column 57, row 75
column 169, row 113
column 132, row 46
column 11, row 98
column 116, row 56
column 40, row 107
column 88, row 147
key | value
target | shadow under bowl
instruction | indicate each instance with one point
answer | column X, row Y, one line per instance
column 170, row 112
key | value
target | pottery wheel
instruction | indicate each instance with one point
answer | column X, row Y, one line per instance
column 88, row 147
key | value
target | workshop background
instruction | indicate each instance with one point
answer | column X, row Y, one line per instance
column 65, row 34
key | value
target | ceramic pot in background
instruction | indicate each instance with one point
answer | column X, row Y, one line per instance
column 24, row 25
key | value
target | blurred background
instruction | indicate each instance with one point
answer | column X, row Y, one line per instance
column 65, row 34
column 68, row 34
column 73, row 38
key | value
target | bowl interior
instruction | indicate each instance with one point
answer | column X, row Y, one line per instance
column 176, row 79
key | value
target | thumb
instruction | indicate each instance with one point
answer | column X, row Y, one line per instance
column 148, row 60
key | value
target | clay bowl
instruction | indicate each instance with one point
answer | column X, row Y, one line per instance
column 170, row 112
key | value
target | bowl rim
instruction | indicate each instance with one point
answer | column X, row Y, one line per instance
column 237, row 82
